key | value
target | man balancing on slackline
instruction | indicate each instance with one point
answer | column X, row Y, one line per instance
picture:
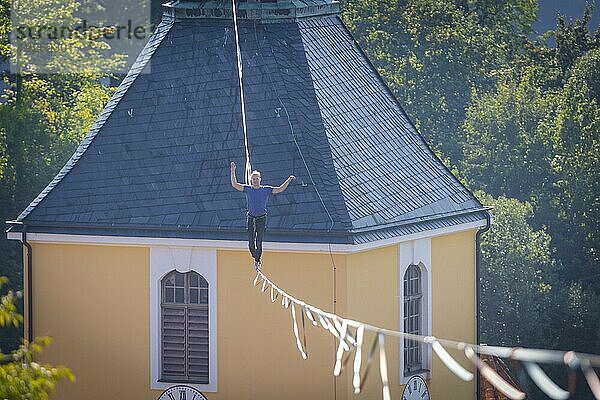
column 257, row 196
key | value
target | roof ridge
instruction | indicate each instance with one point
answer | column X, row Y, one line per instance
column 153, row 43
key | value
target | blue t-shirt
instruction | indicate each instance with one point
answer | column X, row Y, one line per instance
column 257, row 199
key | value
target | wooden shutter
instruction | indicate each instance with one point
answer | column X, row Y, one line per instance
column 185, row 329
column 198, row 344
column 173, row 342
column 413, row 293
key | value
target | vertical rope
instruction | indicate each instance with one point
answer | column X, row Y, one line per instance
column 239, row 68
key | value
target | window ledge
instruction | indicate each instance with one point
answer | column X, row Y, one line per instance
column 423, row 373
column 182, row 381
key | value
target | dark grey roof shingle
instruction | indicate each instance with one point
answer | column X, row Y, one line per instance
column 156, row 161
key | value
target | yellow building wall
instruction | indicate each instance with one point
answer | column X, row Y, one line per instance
column 258, row 357
column 373, row 297
column 94, row 302
column 454, row 307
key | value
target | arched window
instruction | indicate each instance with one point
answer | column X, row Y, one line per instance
column 413, row 319
column 184, row 328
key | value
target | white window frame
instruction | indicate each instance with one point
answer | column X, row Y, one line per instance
column 164, row 259
column 415, row 252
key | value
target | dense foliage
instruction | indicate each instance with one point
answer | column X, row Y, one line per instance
column 21, row 378
column 519, row 119
column 434, row 53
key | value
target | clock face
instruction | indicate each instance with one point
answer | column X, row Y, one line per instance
column 415, row 389
column 181, row 392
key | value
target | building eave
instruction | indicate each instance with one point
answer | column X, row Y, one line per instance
column 239, row 244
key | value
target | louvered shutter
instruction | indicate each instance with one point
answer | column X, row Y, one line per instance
column 197, row 337
column 413, row 293
column 173, row 342
column 185, row 328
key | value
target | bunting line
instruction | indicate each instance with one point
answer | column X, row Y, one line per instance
column 492, row 376
column 542, row 380
column 340, row 327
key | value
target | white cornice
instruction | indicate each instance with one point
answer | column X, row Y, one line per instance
column 235, row 244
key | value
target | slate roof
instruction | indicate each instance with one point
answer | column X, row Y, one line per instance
column 156, row 162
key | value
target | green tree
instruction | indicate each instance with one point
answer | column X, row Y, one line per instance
column 509, row 138
column 536, row 138
column 43, row 44
column 517, row 275
column 574, row 39
column 572, row 206
column 554, row 63
column 524, row 299
column 21, row 377
column 43, row 116
column 432, row 53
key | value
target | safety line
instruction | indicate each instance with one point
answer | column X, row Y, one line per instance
column 239, row 68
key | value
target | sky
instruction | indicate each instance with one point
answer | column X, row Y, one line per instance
column 549, row 10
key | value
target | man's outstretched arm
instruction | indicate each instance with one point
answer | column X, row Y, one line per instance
column 284, row 185
column 234, row 181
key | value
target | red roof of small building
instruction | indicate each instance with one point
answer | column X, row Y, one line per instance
column 488, row 391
